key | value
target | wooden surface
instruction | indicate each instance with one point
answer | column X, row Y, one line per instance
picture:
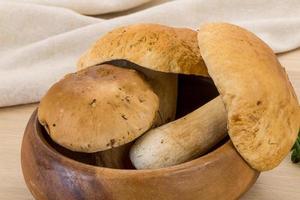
column 280, row 183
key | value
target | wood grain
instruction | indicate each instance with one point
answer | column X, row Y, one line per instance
column 280, row 183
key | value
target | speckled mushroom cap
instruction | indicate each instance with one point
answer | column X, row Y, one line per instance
column 98, row 108
column 153, row 46
column 263, row 111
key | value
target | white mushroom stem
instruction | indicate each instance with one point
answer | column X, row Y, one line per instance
column 165, row 87
column 183, row 139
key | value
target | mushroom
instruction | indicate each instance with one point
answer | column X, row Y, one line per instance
column 98, row 108
column 261, row 107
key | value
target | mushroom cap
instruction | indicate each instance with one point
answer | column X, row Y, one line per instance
column 263, row 111
column 153, row 46
column 98, row 108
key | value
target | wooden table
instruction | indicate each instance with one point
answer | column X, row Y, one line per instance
column 278, row 184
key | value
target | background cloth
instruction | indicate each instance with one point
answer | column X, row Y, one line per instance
column 41, row 40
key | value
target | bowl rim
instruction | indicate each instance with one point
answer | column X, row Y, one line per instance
column 197, row 163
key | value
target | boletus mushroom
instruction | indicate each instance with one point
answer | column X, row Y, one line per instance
column 261, row 107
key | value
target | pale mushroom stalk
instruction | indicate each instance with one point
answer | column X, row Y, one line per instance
column 165, row 87
column 183, row 139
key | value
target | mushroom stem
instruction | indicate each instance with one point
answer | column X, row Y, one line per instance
column 165, row 87
column 183, row 139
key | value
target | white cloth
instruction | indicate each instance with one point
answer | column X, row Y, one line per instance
column 41, row 40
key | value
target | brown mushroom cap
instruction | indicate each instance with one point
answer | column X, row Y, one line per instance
column 263, row 111
column 98, row 108
column 153, row 46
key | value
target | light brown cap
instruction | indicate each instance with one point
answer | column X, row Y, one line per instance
column 153, row 46
column 98, row 108
column 263, row 111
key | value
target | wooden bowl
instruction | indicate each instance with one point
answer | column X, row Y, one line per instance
column 49, row 174
column 53, row 172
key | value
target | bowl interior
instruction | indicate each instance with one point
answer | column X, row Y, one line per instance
column 193, row 92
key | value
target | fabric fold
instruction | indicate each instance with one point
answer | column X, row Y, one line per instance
column 41, row 43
